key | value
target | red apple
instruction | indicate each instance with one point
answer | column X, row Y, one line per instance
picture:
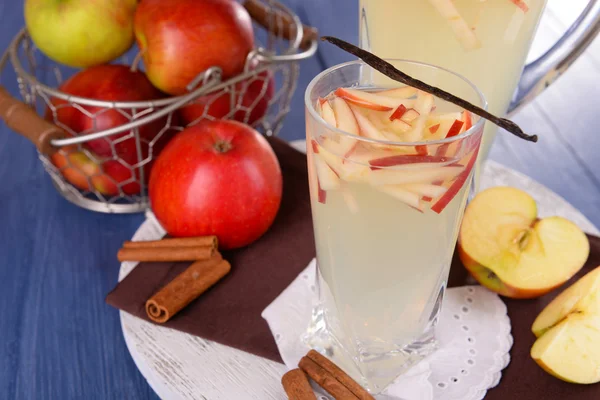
column 82, row 172
column 217, row 178
column 253, row 94
column 179, row 39
column 111, row 83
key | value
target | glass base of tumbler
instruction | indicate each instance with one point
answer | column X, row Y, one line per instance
column 373, row 370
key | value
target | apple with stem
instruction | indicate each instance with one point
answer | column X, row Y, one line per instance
column 217, row 178
column 179, row 39
column 113, row 82
column 251, row 98
column 509, row 250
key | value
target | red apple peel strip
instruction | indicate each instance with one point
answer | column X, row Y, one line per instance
column 400, row 159
column 447, row 197
column 521, row 4
column 398, row 113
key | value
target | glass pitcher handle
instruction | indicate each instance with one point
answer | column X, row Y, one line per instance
column 539, row 74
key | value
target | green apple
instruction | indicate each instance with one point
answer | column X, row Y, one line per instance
column 568, row 332
column 81, row 33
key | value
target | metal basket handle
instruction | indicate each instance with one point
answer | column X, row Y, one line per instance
column 263, row 15
column 24, row 120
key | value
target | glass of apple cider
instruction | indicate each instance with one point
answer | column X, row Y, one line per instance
column 390, row 170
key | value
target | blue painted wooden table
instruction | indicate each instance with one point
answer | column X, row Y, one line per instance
column 59, row 340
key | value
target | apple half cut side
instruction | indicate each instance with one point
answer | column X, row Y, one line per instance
column 509, row 250
column 373, row 101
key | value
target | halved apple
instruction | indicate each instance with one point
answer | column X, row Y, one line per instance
column 568, row 332
column 510, row 251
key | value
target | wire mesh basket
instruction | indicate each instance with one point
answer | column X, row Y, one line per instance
column 105, row 167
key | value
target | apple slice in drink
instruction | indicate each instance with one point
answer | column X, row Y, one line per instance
column 367, row 129
column 422, row 107
column 410, row 115
column 405, row 92
column 400, row 193
column 328, row 114
column 398, row 112
column 419, row 173
column 328, row 179
column 457, row 23
column 373, row 101
column 340, row 144
column 455, row 187
column 427, row 190
column 521, row 4
column 347, row 171
column 402, row 159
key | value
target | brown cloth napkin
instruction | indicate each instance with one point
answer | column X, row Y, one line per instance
column 229, row 313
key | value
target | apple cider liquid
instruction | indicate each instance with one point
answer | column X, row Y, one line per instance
column 486, row 41
column 386, row 214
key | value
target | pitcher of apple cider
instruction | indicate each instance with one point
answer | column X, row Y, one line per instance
column 486, row 41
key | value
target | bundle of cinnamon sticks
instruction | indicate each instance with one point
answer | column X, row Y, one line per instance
column 208, row 268
column 324, row 373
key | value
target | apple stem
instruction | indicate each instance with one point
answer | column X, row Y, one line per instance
column 223, row 146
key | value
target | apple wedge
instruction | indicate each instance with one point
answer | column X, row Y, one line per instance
column 582, row 297
column 568, row 332
column 510, row 251
column 373, row 101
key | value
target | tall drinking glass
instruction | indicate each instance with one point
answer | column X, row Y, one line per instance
column 386, row 216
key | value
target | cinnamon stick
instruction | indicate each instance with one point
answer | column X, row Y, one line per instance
column 325, row 380
column 296, row 385
column 165, row 254
column 198, row 241
column 340, row 375
column 186, row 287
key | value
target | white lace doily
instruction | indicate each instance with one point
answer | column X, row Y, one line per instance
column 473, row 334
